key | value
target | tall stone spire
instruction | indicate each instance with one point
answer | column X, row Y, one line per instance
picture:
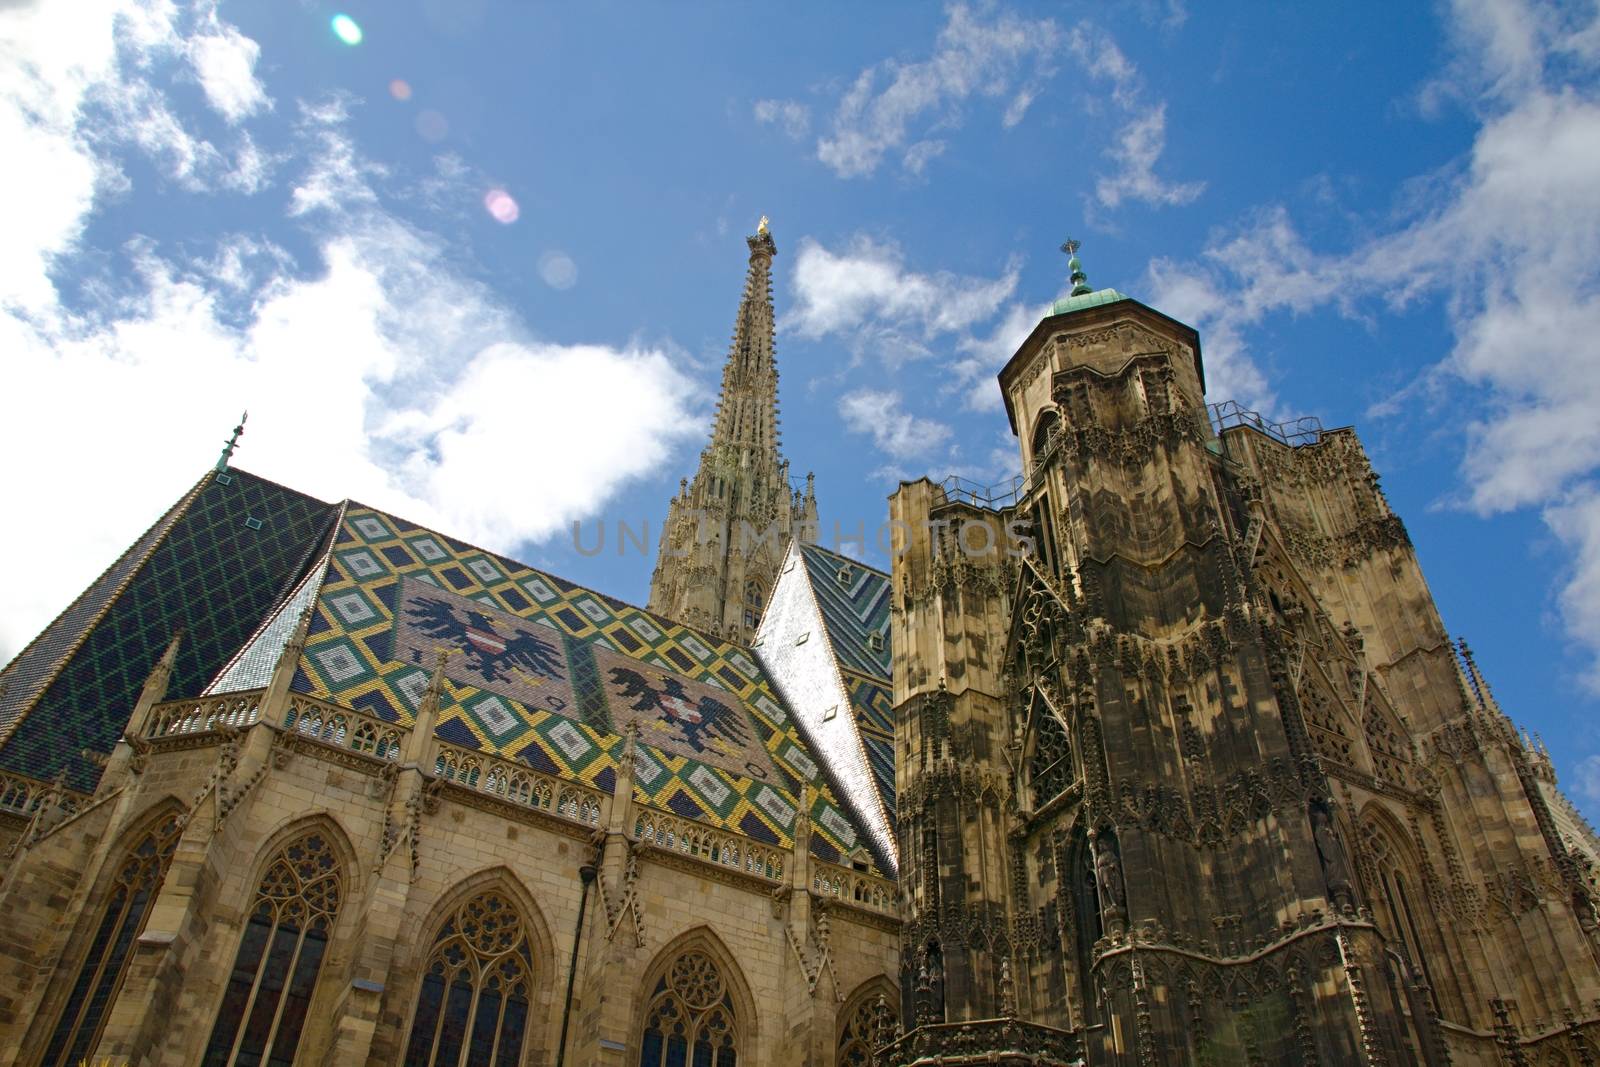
column 726, row 529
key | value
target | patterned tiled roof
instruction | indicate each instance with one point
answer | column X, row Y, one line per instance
column 854, row 599
column 551, row 673
column 213, row 566
column 872, row 702
column 794, row 643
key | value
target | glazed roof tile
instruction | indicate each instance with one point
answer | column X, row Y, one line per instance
column 854, row 599
column 550, row 673
column 214, row 565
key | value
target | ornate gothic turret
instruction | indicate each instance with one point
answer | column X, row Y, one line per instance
column 726, row 529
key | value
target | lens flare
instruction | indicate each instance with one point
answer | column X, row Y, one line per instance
column 346, row 29
column 432, row 126
column 400, row 89
column 501, row 207
column 558, row 270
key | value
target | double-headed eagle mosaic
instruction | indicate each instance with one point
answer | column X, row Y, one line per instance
column 493, row 654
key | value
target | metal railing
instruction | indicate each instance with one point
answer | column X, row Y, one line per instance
column 958, row 490
column 1305, row 430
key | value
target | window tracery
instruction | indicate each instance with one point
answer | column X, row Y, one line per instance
column 690, row 1020
column 275, row 971
column 474, row 1003
column 869, row 1028
column 1050, row 765
column 133, row 891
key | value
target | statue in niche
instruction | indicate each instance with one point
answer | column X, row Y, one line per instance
column 1108, row 880
column 1330, row 852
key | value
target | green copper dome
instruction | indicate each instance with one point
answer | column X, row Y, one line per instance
column 1087, row 300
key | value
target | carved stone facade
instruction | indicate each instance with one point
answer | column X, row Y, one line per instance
column 1201, row 779
column 727, row 527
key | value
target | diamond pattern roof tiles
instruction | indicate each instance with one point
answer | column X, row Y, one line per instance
column 550, row 673
column 203, row 569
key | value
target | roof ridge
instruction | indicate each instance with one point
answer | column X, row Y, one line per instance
column 169, row 518
column 852, row 560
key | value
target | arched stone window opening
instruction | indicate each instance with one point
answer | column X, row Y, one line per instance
column 275, row 970
column 133, row 891
column 1394, row 889
column 1050, row 768
column 867, row 1028
column 754, row 600
column 476, row 988
column 690, row 1021
column 1046, row 432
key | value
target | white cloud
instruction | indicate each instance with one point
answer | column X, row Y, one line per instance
column 906, row 109
column 867, row 294
column 1138, row 147
column 903, row 437
column 225, row 61
column 376, row 370
column 793, row 118
column 1005, row 59
column 1585, row 781
column 1509, row 240
column 983, row 357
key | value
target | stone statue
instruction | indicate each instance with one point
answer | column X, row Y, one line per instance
column 1335, row 868
column 1108, row 878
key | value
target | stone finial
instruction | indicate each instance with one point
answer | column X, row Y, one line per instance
column 155, row 686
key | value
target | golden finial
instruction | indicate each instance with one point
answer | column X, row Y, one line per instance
column 761, row 227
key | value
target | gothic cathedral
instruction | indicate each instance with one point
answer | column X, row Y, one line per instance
column 1159, row 754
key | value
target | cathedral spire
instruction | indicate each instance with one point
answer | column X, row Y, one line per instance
column 727, row 527
column 747, row 409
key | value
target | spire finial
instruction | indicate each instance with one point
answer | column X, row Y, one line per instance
column 761, row 227
column 1079, row 280
column 232, row 443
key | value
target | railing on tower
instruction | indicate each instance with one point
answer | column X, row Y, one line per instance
column 1305, row 430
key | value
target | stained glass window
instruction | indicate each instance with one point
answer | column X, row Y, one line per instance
column 275, row 971
column 473, row 1005
column 127, row 907
column 690, row 1020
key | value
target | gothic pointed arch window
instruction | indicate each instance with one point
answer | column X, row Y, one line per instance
column 1050, row 761
column 1396, row 886
column 754, row 600
column 1046, row 431
column 473, row 1007
column 867, row 1028
column 690, row 1020
column 133, row 890
column 275, row 970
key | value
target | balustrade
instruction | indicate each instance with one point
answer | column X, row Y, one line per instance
column 707, row 843
column 517, row 784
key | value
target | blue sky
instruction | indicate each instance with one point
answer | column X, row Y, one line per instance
column 480, row 268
